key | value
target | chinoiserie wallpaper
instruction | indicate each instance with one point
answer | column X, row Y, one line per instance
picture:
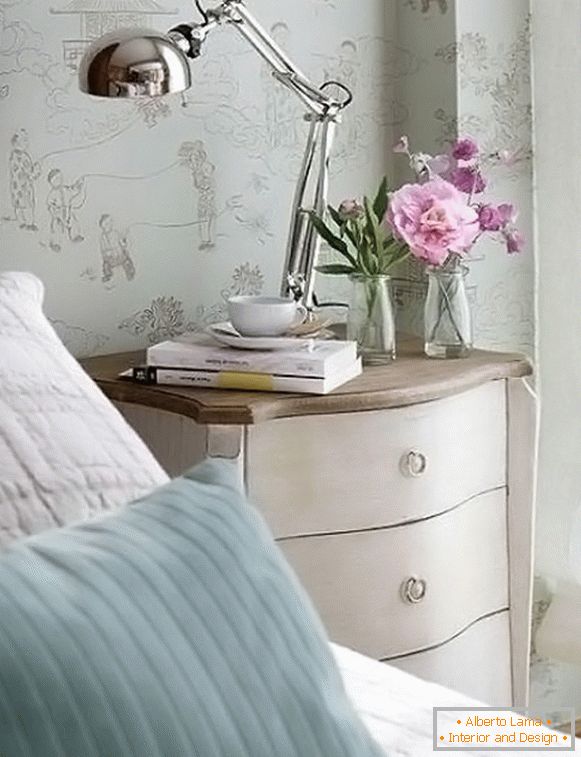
column 143, row 218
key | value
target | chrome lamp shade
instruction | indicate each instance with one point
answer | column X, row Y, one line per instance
column 134, row 63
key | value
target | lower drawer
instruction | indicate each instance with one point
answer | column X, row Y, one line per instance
column 400, row 590
column 476, row 663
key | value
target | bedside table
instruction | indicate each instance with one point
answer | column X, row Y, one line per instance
column 404, row 502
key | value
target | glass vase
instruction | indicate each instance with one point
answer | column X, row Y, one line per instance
column 447, row 315
column 371, row 318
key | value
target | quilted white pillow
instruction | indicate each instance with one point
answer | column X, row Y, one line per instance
column 65, row 452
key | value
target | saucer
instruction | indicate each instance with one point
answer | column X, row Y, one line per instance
column 226, row 334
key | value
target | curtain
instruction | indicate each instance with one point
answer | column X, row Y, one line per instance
column 557, row 108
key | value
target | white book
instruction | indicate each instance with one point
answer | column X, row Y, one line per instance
column 256, row 382
column 201, row 352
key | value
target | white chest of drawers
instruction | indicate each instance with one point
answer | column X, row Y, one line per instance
column 403, row 502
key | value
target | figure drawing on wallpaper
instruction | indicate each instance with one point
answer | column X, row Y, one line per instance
column 63, row 201
column 114, row 250
column 194, row 156
column 24, row 171
column 153, row 110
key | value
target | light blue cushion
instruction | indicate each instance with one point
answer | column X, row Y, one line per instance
column 173, row 628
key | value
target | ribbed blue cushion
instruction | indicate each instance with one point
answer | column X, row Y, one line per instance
column 173, row 628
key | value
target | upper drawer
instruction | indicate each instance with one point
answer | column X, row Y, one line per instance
column 347, row 472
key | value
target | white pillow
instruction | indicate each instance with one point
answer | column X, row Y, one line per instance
column 65, row 452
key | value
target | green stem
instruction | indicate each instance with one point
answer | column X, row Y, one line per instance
column 446, row 306
column 371, row 297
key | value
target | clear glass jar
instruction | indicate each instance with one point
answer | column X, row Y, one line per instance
column 447, row 314
column 371, row 318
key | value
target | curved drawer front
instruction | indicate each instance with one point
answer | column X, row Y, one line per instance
column 325, row 474
column 476, row 663
column 457, row 564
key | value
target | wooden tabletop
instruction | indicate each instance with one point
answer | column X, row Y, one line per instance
column 411, row 379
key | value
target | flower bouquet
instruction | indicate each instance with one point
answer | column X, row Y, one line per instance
column 440, row 218
column 369, row 250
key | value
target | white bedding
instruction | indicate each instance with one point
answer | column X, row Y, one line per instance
column 65, row 452
column 398, row 708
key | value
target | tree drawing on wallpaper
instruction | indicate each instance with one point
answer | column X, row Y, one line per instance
column 193, row 155
column 164, row 318
column 63, row 201
column 246, row 280
column 115, row 250
column 23, row 173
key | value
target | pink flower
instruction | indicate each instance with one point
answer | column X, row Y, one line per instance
column 441, row 165
column 490, row 218
column 433, row 219
column 507, row 213
column 351, row 210
column 515, row 241
column 468, row 180
column 402, row 146
column 465, row 149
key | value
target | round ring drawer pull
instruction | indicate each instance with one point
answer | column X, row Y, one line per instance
column 415, row 464
column 413, row 590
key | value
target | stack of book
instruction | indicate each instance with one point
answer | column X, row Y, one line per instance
column 314, row 367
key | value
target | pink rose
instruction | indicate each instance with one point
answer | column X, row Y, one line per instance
column 465, row 149
column 468, row 180
column 490, row 218
column 433, row 219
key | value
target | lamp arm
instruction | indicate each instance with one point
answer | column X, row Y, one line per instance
column 284, row 69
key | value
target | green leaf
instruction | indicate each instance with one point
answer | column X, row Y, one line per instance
column 396, row 258
column 325, row 232
column 381, row 202
column 336, row 216
column 335, row 269
column 332, row 239
column 374, row 232
column 343, row 225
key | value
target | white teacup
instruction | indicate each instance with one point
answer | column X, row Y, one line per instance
column 265, row 316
